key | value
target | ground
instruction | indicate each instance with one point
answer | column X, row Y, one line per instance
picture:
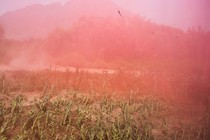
column 81, row 105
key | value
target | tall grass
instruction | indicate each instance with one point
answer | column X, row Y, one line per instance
column 91, row 106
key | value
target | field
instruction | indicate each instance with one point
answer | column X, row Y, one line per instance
column 51, row 104
column 104, row 70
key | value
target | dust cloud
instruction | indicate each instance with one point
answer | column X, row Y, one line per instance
column 107, row 37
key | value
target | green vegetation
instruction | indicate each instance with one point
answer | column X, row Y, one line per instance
column 79, row 112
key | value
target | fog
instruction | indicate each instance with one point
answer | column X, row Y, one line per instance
column 178, row 13
column 104, row 69
column 107, row 35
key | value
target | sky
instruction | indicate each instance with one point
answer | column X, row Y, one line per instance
column 9, row 5
column 178, row 13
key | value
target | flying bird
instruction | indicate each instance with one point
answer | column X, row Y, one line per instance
column 120, row 13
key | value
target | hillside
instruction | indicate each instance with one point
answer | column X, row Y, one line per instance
column 86, row 35
column 36, row 21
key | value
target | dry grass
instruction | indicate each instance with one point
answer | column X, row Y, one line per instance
column 80, row 105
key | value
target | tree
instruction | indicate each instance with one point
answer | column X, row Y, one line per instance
column 1, row 32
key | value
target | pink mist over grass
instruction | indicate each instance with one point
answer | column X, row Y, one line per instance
column 102, row 35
